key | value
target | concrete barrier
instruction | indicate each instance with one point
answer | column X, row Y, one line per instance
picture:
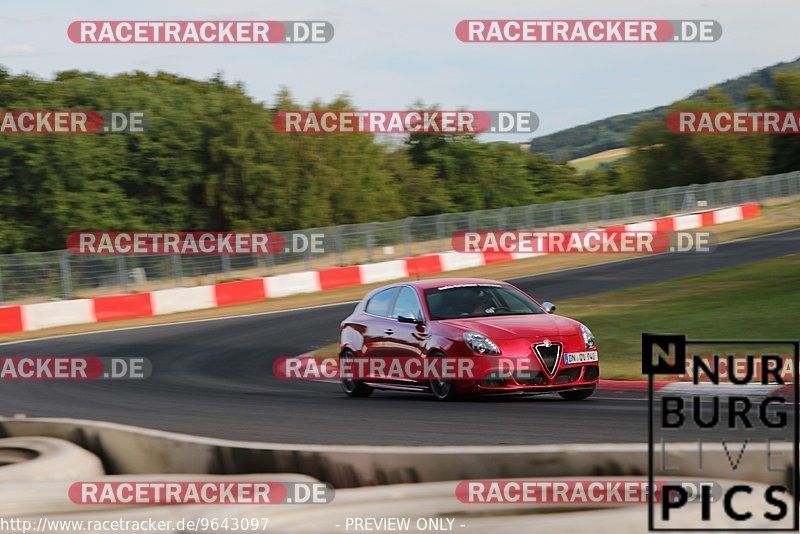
column 284, row 285
column 453, row 261
column 127, row 449
column 141, row 451
column 33, row 458
column 383, row 271
column 15, row 319
column 59, row 313
column 183, row 299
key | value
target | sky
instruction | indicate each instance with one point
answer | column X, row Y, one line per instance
column 388, row 54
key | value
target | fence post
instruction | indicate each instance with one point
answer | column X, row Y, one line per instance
column 502, row 217
column 225, row 260
column 648, row 203
column 760, row 187
column 370, row 241
column 307, row 255
column 122, row 273
column 177, row 268
column 407, row 235
column 66, row 276
column 337, row 244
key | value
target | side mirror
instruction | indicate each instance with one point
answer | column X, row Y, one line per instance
column 549, row 307
column 408, row 318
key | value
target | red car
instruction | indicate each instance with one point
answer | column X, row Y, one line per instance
column 484, row 321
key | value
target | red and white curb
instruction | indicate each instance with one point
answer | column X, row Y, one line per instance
column 30, row 317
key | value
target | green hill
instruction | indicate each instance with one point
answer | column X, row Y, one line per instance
column 613, row 132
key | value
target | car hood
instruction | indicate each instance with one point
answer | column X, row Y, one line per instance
column 518, row 326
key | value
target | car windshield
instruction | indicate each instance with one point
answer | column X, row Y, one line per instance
column 478, row 300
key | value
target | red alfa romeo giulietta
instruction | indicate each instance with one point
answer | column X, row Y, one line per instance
column 514, row 344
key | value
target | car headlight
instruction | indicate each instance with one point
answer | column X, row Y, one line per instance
column 588, row 337
column 480, row 343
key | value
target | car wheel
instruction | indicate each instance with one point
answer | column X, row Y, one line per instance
column 354, row 388
column 577, row 394
column 442, row 389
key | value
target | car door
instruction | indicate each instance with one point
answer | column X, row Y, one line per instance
column 407, row 339
column 379, row 327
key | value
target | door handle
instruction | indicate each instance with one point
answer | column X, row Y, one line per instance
column 388, row 331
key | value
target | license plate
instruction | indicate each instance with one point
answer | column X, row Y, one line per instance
column 580, row 357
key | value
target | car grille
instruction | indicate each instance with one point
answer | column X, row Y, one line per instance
column 549, row 353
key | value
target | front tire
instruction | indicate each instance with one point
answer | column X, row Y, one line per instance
column 354, row 388
column 442, row 389
column 577, row 394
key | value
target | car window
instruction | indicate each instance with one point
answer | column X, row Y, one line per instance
column 473, row 300
column 407, row 304
column 379, row 304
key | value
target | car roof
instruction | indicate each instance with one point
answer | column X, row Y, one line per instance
column 439, row 282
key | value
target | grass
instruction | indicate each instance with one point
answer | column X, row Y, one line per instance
column 760, row 300
column 588, row 163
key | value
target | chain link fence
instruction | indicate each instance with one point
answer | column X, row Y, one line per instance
column 33, row 276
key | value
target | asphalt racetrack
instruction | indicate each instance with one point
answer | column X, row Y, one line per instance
column 214, row 378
